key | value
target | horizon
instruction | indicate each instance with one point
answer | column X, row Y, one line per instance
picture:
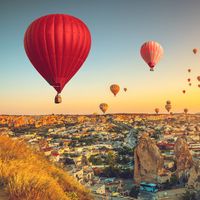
column 101, row 114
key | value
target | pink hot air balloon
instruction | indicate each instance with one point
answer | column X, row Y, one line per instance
column 151, row 52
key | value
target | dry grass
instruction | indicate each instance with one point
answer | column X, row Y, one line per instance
column 27, row 175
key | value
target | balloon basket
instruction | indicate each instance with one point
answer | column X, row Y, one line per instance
column 58, row 99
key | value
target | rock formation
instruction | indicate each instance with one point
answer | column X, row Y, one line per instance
column 148, row 161
column 183, row 157
column 194, row 176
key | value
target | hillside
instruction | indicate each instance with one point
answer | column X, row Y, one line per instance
column 27, row 175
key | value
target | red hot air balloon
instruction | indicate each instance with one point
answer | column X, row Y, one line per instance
column 188, row 79
column 151, row 52
column 57, row 45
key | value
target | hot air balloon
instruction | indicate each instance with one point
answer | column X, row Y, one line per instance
column 185, row 110
column 151, row 52
column 168, row 107
column 190, row 84
column 195, row 50
column 125, row 89
column 183, row 91
column 57, row 46
column 188, row 79
column 168, row 102
column 198, row 85
column 114, row 89
column 103, row 107
column 198, row 78
column 189, row 70
column 157, row 110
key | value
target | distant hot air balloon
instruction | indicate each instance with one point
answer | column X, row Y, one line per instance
column 185, row 110
column 114, row 89
column 168, row 102
column 189, row 70
column 103, row 107
column 157, row 110
column 198, row 85
column 168, row 107
column 190, row 84
column 125, row 89
column 195, row 50
column 198, row 78
column 188, row 79
column 151, row 52
column 57, row 46
column 184, row 91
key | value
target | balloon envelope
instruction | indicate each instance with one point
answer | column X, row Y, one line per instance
column 103, row 107
column 168, row 107
column 57, row 45
column 125, row 89
column 168, row 102
column 185, row 110
column 195, row 50
column 114, row 88
column 157, row 110
column 151, row 52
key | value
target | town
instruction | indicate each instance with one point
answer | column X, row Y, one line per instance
column 118, row 156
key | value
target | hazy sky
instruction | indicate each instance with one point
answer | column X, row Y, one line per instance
column 118, row 29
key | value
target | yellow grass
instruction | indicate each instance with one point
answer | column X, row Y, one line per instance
column 27, row 175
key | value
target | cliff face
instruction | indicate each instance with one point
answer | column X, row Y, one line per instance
column 183, row 156
column 194, row 176
column 148, row 161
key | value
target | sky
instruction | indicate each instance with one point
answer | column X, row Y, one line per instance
column 118, row 29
